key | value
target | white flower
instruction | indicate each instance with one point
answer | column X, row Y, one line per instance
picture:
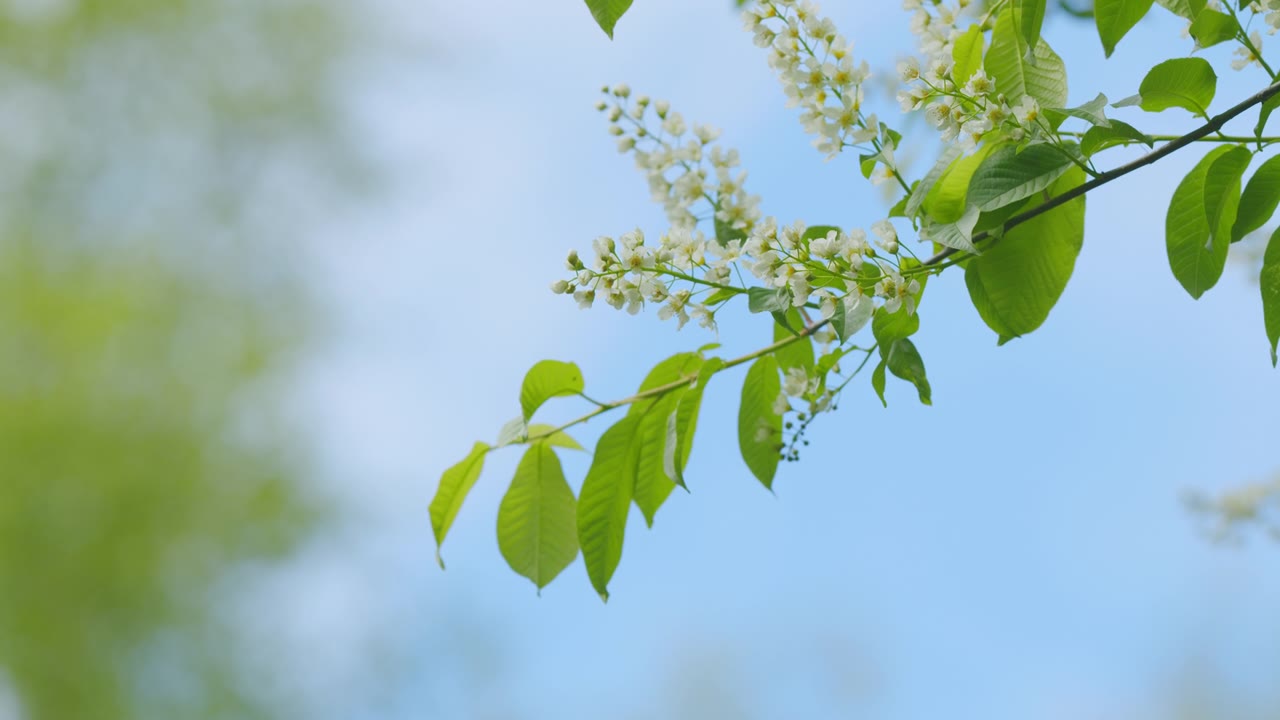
column 888, row 236
column 560, row 287
column 1027, row 110
column 898, row 293
column 795, row 383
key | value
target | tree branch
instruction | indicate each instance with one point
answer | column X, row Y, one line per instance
column 1212, row 126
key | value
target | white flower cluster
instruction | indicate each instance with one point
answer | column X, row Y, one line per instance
column 810, row 269
column 1272, row 9
column 815, row 65
column 684, row 167
column 966, row 113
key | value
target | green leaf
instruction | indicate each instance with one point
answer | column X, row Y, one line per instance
column 1212, row 27
column 548, row 379
column 958, row 235
column 946, row 202
column 682, row 424
column 759, row 427
column 537, row 528
column 921, row 190
column 1028, row 16
column 652, row 485
column 1097, row 139
column 798, row 354
column 1016, row 282
column 721, row 295
column 889, row 327
column 558, row 438
column 607, row 13
column 1092, row 112
column 1187, row 9
column 1201, row 215
column 726, row 233
column 454, row 486
column 905, row 362
column 648, row 451
column 605, row 502
column 1115, row 18
column 813, row 232
column 1259, row 201
column 768, row 299
column 853, row 312
column 1042, row 76
column 1187, row 83
column 878, row 381
column 1270, row 282
column 512, row 432
column 967, row 54
column 1007, row 176
column 1268, row 106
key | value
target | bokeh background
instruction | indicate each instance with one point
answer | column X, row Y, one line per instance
column 268, row 268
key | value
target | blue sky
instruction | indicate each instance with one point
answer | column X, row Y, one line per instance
column 1018, row 550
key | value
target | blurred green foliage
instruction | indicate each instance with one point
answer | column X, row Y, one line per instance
column 158, row 159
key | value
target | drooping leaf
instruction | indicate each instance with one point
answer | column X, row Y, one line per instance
column 1028, row 17
column 1017, row 281
column 759, row 427
column 798, row 354
column 958, row 234
column 853, row 312
column 537, row 519
column 1187, row 83
column 1115, row 18
column 653, row 485
column 904, row 361
column 1007, row 175
column 1264, row 113
column 878, row 381
column 1201, row 215
column 1043, row 76
column 1259, row 201
column 1270, row 282
column 454, row 486
column 1212, row 27
column 1097, row 139
column 546, row 380
column 889, row 327
column 966, row 53
column 605, row 502
column 607, row 13
column 683, row 423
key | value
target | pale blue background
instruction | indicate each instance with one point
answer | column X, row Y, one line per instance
column 1019, row 550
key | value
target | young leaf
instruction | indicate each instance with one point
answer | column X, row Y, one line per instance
column 1201, row 214
column 1187, row 83
column 1212, row 27
column 905, row 362
column 1270, row 281
column 1007, row 176
column 454, row 486
column 1092, row 112
column 759, row 427
column 537, row 530
column 967, row 54
column 683, row 423
column 607, row 13
column 1115, row 18
column 798, row 354
column 853, row 312
column 1043, row 75
column 604, row 503
column 1016, row 282
column 1259, row 201
column 958, row 234
column 548, row 379
column 946, row 201
column 922, row 188
column 1097, row 139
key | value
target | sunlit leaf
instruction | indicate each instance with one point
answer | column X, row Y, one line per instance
column 759, row 426
column 537, row 519
column 546, row 380
column 454, row 486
